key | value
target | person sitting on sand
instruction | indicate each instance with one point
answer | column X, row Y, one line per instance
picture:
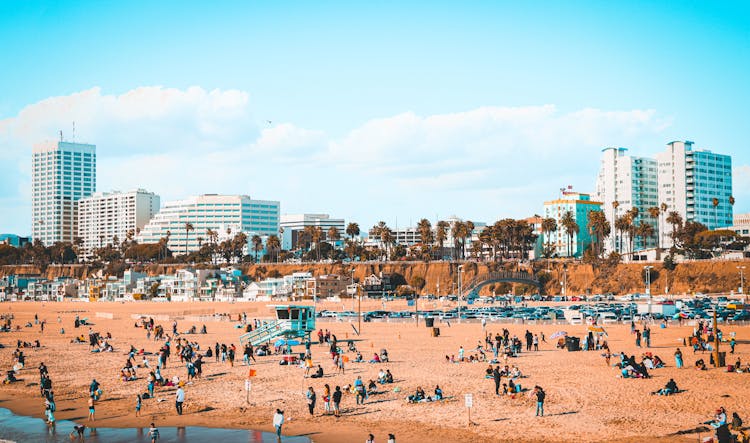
column 381, row 376
column 318, row 373
column 384, row 355
column 10, row 377
column 488, row 372
column 669, row 389
column 375, row 358
column 358, row 358
column 515, row 372
column 388, row 376
column 372, row 387
column 418, row 396
column 700, row 364
column 438, row 393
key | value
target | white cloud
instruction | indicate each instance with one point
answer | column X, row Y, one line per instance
column 479, row 163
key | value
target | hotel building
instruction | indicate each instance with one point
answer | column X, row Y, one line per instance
column 62, row 173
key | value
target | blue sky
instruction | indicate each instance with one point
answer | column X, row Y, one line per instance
column 382, row 110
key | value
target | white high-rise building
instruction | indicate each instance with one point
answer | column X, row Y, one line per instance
column 689, row 181
column 210, row 211
column 104, row 216
column 293, row 224
column 632, row 183
column 62, row 173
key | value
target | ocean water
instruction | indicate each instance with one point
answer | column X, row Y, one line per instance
column 22, row 429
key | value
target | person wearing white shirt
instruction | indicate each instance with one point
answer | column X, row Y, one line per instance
column 179, row 400
column 278, row 422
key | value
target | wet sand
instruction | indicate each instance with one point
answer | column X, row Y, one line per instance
column 586, row 401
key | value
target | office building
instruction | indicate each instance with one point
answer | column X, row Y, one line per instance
column 62, row 173
column 579, row 205
column 210, row 211
column 114, row 215
column 632, row 183
column 689, row 181
column 294, row 224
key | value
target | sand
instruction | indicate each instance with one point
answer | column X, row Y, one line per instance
column 586, row 401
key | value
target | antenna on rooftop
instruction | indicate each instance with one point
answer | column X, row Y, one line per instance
column 61, row 135
column 74, row 132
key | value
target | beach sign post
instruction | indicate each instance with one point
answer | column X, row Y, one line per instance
column 248, row 385
column 469, row 402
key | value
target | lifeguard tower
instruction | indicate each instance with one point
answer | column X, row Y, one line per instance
column 292, row 321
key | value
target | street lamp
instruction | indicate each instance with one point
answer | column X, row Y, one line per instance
column 648, row 287
column 460, row 290
column 742, row 279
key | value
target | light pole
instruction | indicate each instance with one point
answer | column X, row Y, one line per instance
column 460, row 290
column 742, row 279
column 352, row 286
column 648, row 287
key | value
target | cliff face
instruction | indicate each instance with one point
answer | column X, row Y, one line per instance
column 440, row 277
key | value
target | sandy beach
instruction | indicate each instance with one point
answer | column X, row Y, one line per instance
column 586, row 400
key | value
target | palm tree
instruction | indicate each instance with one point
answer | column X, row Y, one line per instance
column 257, row 245
column 549, row 225
column 188, row 227
column 675, row 219
column 274, row 245
column 660, row 230
column 333, row 235
column 425, row 233
column 459, row 232
column 441, row 233
column 715, row 204
column 644, row 230
column 386, row 236
column 570, row 226
column 352, row 230
column 654, row 212
column 599, row 228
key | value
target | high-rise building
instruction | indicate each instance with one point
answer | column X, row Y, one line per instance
column 579, row 205
column 210, row 211
column 632, row 183
column 107, row 216
column 697, row 184
column 293, row 224
column 62, row 173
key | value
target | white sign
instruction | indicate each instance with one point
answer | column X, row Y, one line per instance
column 469, row 400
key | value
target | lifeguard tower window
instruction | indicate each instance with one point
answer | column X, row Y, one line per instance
column 295, row 314
column 282, row 314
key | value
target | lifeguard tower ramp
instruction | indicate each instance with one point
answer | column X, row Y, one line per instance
column 291, row 322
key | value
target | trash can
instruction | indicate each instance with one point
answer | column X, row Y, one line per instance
column 436, row 332
column 429, row 322
column 573, row 344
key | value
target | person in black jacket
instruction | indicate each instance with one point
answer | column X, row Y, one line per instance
column 496, row 377
column 337, row 401
column 540, row 395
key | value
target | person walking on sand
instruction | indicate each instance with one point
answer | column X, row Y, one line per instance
column 678, row 358
column 278, row 422
column 179, row 400
column 496, row 377
column 138, row 402
column 391, row 438
column 311, row 399
column 540, row 395
column 153, row 432
column 370, row 439
column 337, row 401
column 91, row 408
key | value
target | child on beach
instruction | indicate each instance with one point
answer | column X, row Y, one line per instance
column 138, row 402
column 153, row 432
column 91, row 408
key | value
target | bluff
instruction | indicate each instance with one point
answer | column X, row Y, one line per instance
column 441, row 277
